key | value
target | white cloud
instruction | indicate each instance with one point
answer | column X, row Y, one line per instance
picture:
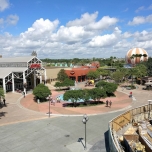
column 84, row 20
column 127, row 35
column 137, row 20
column 12, row 20
column 83, row 38
column 140, row 9
column 140, row 20
column 41, row 29
column 4, row 4
column 105, row 40
column 90, row 23
column 102, row 24
column 71, row 34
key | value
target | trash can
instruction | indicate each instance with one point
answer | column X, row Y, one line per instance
column 38, row 101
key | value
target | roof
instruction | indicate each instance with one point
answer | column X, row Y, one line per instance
column 17, row 59
column 6, row 71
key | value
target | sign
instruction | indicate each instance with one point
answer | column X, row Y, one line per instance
column 72, row 72
column 35, row 65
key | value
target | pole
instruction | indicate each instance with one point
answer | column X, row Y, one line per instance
column 49, row 107
column 149, row 111
column 85, row 136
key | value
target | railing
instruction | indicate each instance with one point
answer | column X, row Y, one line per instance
column 121, row 121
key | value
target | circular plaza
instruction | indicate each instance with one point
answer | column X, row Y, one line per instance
column 119, row 102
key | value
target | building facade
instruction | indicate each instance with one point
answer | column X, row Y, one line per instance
column 79, row 74
column 21, row 73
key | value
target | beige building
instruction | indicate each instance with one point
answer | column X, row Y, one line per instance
column 52, row 72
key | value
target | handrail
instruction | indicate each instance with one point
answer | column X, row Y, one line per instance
column 115, row 141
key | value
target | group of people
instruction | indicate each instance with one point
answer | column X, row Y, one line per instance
column 53, row 100
column 108, row 103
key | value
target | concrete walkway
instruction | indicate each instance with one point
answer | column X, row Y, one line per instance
column 59, row 134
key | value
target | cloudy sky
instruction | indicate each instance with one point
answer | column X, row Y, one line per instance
column 74, row 28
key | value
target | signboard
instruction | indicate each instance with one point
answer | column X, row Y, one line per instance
column 35, row 65
column 72, row 72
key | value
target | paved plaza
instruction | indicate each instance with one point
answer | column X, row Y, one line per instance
column 25, row 129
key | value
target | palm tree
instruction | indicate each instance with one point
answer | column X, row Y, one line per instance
column 132, row 57
column 145, row 56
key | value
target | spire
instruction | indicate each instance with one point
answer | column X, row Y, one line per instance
column 34, row 53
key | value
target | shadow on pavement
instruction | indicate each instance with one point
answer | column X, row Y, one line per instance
column 80, row 140
column 106, row 135
column 2, row 114
column 102, row 145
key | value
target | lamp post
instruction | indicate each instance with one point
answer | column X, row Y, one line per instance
column 50, row 98
column 84, row 120
column 150, row 101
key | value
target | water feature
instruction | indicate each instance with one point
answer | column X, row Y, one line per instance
column 61, row 98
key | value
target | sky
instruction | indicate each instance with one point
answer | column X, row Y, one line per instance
column 66, row 29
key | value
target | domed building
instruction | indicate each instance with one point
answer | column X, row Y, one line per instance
column 136, row 55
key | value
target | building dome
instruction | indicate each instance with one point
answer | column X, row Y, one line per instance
column 136, row 55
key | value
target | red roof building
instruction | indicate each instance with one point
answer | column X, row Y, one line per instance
column 79, row 73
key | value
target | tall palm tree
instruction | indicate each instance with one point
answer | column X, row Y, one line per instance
column 132, row 58
column 145, row 56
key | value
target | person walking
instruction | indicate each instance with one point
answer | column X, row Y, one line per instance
column 110, row 103
column 24, row 94
column 4, row 102
column 107, row 102
column 130, row 95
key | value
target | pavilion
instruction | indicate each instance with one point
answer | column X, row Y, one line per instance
column 21, row 73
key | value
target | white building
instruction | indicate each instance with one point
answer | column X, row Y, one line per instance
column 21, row 73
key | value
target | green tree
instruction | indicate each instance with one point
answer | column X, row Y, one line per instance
column 66, row 83
column 132, row 72
column 118, row 76
column 103, row 72
column 58, row 85
column 148, row 64
column 141, row 70
column 85, row 95
column 62, row 75
column 109, row 88
column 41, row 92
column 73, row 95
column 93, row 75
column 1, row 92
column 97, row 93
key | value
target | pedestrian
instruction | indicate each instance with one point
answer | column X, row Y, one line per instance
column 24, row 94
column 110, row 103
column 54, row 102
column 4, row 101
column 130, row 95
column 107, row 102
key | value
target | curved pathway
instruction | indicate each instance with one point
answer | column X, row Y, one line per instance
column 57, row 134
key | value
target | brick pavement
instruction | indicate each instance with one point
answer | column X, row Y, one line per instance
column 119, row 102
column 21, row 109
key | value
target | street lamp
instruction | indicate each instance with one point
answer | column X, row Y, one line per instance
column 50, row 98
column 84, row 120
column 150, row 101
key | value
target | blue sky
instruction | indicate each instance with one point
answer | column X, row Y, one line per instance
column 74, row 28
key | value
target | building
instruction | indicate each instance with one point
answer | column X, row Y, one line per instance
column 21, row 73
column 79, row 74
